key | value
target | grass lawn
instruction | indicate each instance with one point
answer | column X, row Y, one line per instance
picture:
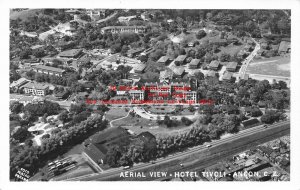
column 23, row 14
column 115, row 113
column 276, row 66
column 187, row 112
column 134, row 121
column 138, row 125
column 77, row 149
column 230, row 49
column 169, row 110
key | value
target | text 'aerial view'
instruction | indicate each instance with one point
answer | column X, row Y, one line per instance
column 149, row 94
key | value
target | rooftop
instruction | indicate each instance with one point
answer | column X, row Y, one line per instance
column 72, row 11
column 214, row 63
column 168, row 73
column 211, row 73
column 163, row 59
column 19, row 82
column 263, row 40
column 231, row 65
column 140, row 67
column 100, row 142
column 84, row 59
column 35, row 85
column 195, row 62
column 284, row 46
column 244, row 77
column 122, row 27
column 54, row 69
column 178, row 70
column 180, row 58
column 227, row 76
column 34, row 60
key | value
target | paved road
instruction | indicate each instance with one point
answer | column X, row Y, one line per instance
column 106, row 58
column 141, row 112
column 221, row 73
column 107, row 18
column 252, row 132
column 247, row 61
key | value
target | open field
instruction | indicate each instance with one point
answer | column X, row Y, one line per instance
column 138, row 125
column 160, row 131
column 275, row 66
column 115, row 113
column 24, row 14
column 134, row 121
column 230, row 49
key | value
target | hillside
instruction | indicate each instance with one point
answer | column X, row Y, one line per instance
column 23, row 14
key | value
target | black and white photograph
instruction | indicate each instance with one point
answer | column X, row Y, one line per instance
column 149, row 94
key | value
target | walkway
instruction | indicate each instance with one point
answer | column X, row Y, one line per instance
column 110, row 123
column 141, row 112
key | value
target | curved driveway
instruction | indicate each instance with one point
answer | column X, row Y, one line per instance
column 141, row 112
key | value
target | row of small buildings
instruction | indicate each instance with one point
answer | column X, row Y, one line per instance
column 195, row 63
column 230, row 66
column 247, row 166
column 120, row 29
column 180, row 60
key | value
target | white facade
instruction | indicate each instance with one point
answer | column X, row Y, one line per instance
column 34, row 91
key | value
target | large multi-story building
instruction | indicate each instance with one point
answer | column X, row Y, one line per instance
column 16, row 85
column 170, row 91
column 49, row 70
column 183, row 91
column 120, row 29
column 157, row 91
column 137, row 94
column 36, row 89
column 163, row 91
